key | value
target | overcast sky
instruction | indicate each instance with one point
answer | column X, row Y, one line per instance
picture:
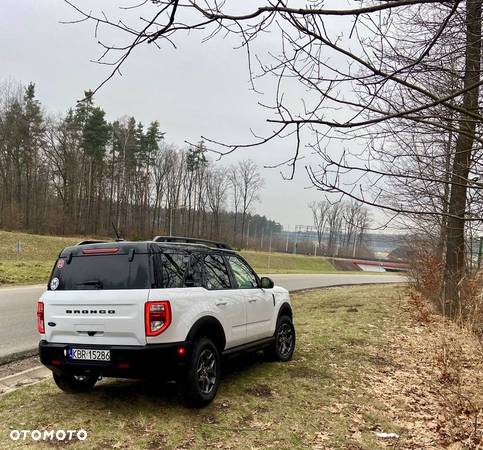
column 196, row 89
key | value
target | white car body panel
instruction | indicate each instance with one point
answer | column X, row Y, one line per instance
column 107, row 317
column 242, row 321
column 123, row 327
column 188, row 305
column 260, row 310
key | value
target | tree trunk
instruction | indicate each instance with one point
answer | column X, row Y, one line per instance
column 455, row 247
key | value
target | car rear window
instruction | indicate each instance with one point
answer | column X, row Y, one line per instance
column 101, row 272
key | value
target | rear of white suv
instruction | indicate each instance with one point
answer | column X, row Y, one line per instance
column 140, row 309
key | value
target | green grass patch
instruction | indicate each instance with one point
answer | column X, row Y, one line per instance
column 24, row 272
column 318, row 400
column 34, row 247
column 287, row 263
column 35, row 260
column 39, row 253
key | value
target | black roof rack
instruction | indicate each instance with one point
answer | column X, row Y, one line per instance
column 93, row 241
column 185, row 240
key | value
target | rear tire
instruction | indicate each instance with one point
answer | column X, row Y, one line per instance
column 198, row 386
column 283, row 347
column 75, row 384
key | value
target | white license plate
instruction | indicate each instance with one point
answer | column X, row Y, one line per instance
column 87, row 354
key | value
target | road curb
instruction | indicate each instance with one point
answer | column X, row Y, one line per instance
column 298, row 291
column 21, row 286
column 24, row 378
column 17, row 356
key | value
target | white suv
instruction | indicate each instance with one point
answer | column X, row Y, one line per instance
column 169, row 308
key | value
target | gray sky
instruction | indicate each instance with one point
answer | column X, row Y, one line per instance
column 196, row 89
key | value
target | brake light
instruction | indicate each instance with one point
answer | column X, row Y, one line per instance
column 40, row 317
column 157, row 317
column 100, row 251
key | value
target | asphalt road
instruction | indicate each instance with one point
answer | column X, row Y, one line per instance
column 295, row 282
column 18, row 305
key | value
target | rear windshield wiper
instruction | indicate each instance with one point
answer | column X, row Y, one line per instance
column 96, row 283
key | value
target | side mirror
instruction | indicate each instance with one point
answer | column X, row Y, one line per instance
column 266, row 283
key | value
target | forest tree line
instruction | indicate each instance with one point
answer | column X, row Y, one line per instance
column 79, row 174
column 341, row 228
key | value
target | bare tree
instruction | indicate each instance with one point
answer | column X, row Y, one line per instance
column 320, row 210
column 235, row 197
column 216, row 197
column 250, row 183
column 345, row 223
column 388, row 45
column 351, row 213
column 335, row 222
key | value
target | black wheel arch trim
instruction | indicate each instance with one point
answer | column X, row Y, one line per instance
column 214, row 325
column 285, row 310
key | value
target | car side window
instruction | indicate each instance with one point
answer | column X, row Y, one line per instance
column 194, row 275
column 244, row 277
column 173, row 268
column 216, row 273
column 178, row 270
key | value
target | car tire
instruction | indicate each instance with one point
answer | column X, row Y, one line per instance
column 284, row 345
column 75, row 384
column 199, row 385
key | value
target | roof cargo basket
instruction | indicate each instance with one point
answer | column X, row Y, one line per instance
column 185, row 240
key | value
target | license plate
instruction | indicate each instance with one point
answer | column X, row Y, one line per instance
column 87, row 354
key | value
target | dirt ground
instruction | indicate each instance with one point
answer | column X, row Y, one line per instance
column 431, row 381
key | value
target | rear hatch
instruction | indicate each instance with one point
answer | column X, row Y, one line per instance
column 96, row 296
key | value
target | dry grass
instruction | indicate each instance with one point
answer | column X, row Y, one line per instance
column 446, row 378
column 319, row 400
column 365, row 363
column 471, row 314
column 435, row 390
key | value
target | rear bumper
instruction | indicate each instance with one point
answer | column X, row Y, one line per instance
column 149, row 361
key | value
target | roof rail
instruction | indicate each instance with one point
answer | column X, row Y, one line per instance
column 93, row 241
column 185, row 240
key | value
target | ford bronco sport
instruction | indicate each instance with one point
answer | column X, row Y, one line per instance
column 169, row 308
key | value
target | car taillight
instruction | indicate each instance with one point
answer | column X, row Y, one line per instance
column 157, row 317
column 40, row 317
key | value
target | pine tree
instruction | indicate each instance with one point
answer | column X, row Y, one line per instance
column 95, row 136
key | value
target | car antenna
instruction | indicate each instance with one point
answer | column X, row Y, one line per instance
column 118, row 237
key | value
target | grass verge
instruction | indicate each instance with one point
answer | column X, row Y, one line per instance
column 24, row 272
column 287, row 263
column 39, row 253
column 37, row 256
column 318, row 400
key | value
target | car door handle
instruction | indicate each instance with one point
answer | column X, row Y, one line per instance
column 221, row 303
column 252, row 300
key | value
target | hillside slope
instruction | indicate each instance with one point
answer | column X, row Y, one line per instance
column 38, row 254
